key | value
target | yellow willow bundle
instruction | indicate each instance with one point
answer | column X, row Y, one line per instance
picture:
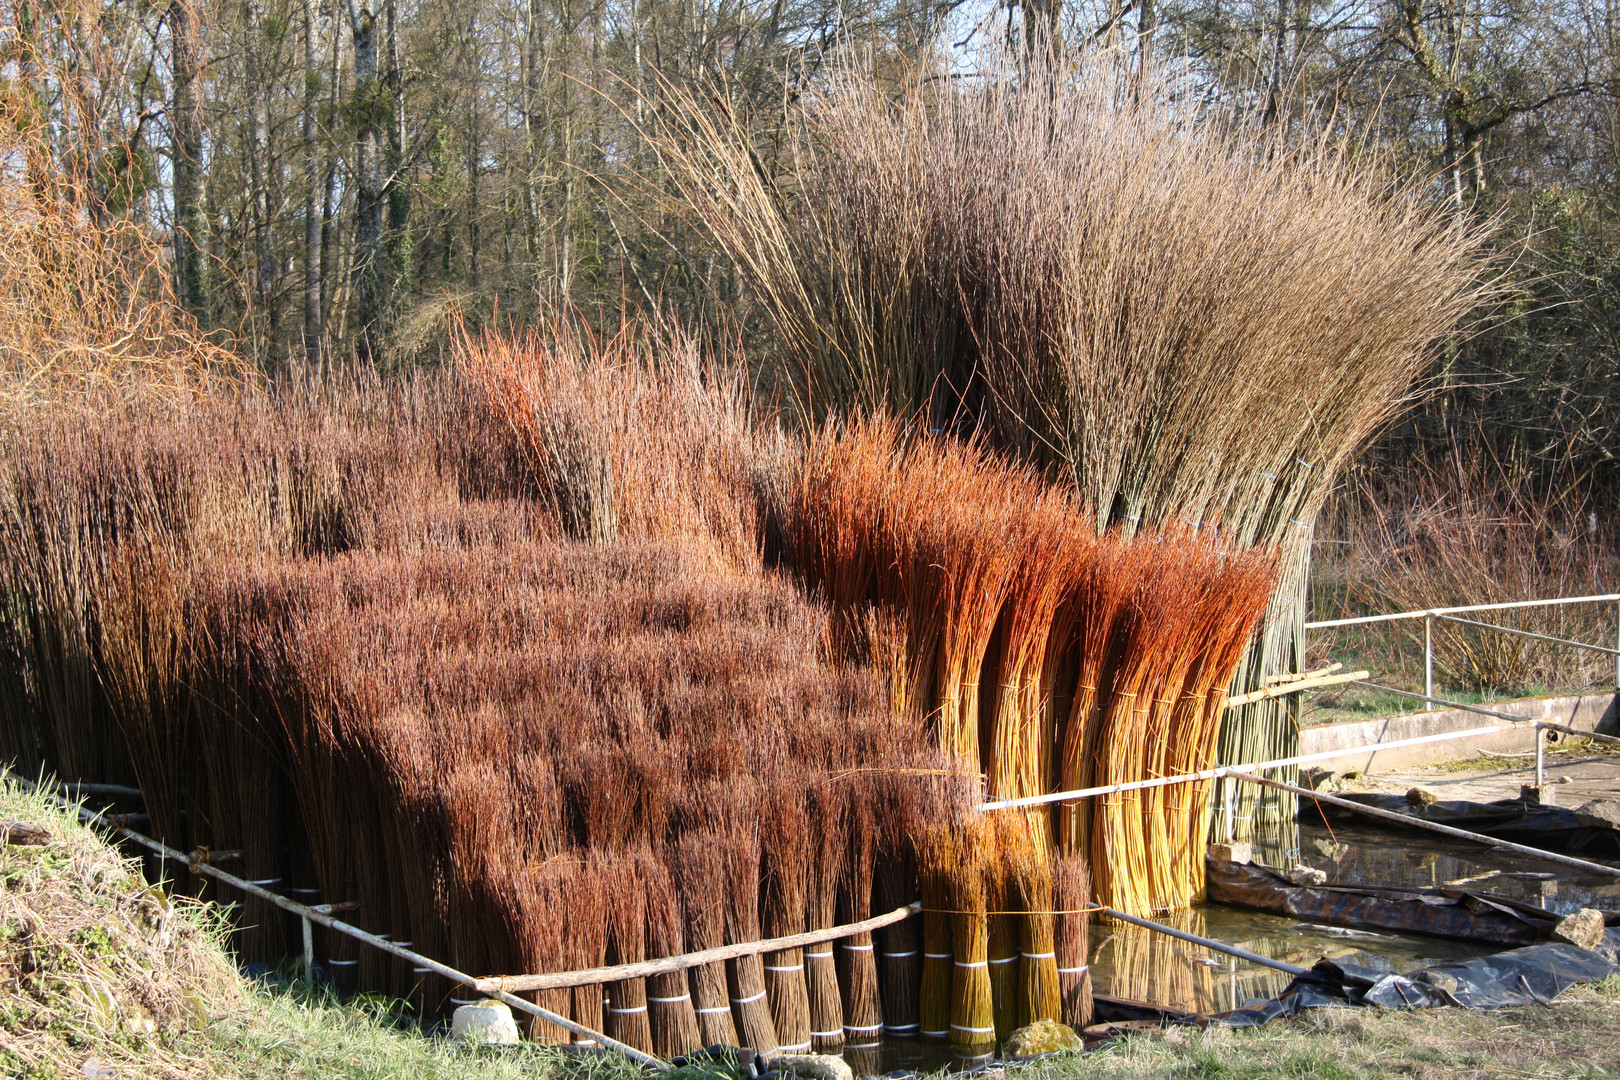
column 1236, row 603
column 1102, row 593
column 1002, row 954
column 1030, row 866
column 972, row 555
column 1178, row 649
column 966, row 855
column 1018, row 760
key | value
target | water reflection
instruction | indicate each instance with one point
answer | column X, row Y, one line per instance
column 1363, row 855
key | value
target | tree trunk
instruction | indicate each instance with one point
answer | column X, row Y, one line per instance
column 314, row 313
column 259, row 181
column 396, row 192
column 186, row 148
column 368, row 187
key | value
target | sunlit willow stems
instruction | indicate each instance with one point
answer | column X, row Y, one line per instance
column 1103, row 588
column 1040, row 985
column 1232, row 604
column 970, row 854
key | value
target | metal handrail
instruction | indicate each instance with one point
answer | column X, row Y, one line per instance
column 1324, row 624
column 1428, row 615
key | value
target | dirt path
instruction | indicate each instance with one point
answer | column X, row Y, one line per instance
column 1573, row 778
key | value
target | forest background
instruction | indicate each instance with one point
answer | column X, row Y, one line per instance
column 321, row 183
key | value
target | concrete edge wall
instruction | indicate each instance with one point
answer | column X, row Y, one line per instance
column 1589, row 712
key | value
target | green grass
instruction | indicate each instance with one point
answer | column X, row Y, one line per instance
column 290, row 1033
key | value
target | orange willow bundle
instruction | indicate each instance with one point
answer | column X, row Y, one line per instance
column 1038, row 653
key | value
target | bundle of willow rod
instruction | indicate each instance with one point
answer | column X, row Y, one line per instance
column 1071, row 893
column 700, row 873
column 627, row 1018
column 670, row 1009
column 828, row 836
column 901, row 946
column 756, row 1026
column 857, row 968
column 970, row 854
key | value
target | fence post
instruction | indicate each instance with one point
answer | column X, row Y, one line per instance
column 1617, row 646
column 1541, row 755
column 1428, row 661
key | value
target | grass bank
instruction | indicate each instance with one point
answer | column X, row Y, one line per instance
column 102, row 975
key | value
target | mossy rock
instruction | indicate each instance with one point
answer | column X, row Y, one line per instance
column 1043, row 1037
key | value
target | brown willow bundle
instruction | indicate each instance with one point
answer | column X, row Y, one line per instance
column 857, row 968
column 626, row 895
column 756, row 1026
column 642, row 434
column 669, row 999
column 938, row 973
column 785, row 835
column 585, row 945
column 828, row 837
column 1071, row 895
column 901, row 946
column 700, row 877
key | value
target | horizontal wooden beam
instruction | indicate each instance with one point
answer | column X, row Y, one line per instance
column 514, row 984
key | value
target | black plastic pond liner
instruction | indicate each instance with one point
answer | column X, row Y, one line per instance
column 1533, row 975
column 1461, row 914
column 1520, row 821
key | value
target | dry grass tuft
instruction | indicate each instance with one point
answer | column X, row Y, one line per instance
column 93, row 958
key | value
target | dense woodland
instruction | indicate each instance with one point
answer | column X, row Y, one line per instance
column 331, row 179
